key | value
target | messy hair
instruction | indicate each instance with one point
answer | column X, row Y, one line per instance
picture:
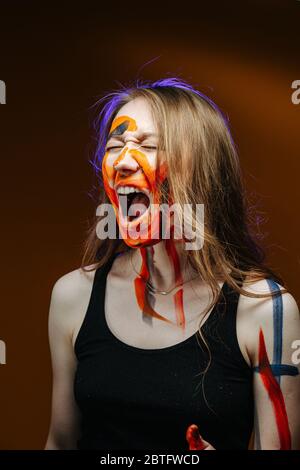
column 203, row 168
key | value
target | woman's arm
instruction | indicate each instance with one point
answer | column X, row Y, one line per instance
column 64, row 424
column 271, row 343
column 269, row 337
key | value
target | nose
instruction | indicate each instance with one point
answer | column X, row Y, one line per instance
column 125, row 163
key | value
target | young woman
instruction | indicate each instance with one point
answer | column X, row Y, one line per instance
column 158, row 342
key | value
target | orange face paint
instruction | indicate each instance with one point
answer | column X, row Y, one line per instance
column 143, row 230
column 127, row 122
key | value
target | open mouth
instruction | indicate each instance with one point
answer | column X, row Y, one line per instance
column 133, row 203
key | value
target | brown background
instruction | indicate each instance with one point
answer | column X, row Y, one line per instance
column 56, row 62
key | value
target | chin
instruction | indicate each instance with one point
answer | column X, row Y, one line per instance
column 140, row 243
column 150, row 237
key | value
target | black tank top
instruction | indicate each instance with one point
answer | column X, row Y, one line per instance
column 134, row 398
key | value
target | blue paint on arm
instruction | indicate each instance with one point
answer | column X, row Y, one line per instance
column 281, row 369
column 277, row 325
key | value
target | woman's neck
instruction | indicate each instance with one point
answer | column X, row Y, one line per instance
column 165, row 264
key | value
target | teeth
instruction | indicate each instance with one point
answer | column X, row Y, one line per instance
column 127, row 190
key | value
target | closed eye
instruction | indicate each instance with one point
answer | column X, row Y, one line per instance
column 114, row 147
column 120, row 146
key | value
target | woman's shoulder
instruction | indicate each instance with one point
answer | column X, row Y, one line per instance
column 262, row 308
column 267, row 314
column 69, row 298
column 73, row 284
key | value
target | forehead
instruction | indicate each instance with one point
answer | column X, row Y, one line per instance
column 138, row 110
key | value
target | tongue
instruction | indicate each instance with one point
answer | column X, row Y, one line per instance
column 143, row 201
column 140, row 198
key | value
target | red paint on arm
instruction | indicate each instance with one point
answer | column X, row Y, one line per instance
column 275, row 395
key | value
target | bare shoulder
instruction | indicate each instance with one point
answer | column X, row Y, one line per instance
column 69, row 298
column 255, row 309
column 69, row 287
column 256, row 313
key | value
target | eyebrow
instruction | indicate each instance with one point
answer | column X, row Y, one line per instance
column 139, row 136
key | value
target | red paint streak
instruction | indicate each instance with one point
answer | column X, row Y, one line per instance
column 140, row 290
column 178, row 297
column 194, row 439
column 275, row 395
column 180, row 317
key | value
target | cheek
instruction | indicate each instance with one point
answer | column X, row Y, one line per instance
column 156, row 174
column 108, row 170
column 162, row 172
column 151, row 161
column 159, row 167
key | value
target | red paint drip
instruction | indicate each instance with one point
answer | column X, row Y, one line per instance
column 275, row 395
column 194, row 439
column 178, row 297
column 140, row 290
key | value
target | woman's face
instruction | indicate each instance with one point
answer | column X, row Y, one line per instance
column 131, row 173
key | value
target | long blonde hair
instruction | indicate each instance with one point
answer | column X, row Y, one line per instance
column 203, row 168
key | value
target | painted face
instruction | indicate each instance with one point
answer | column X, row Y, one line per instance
column 131, row 173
